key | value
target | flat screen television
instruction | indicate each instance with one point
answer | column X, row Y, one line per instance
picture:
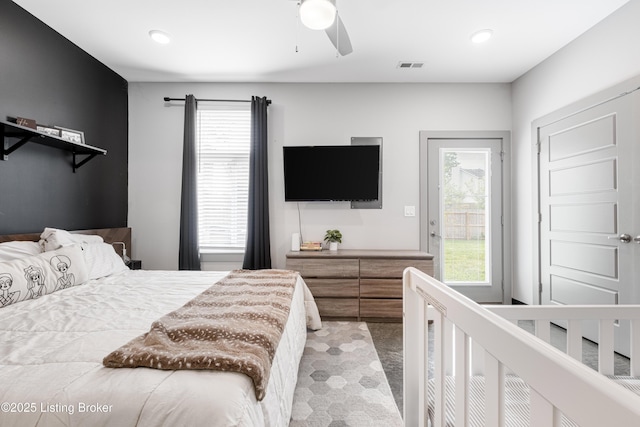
column 331, row 173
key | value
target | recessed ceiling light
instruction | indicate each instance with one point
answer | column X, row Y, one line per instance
column 160, row 36
column 481, row 36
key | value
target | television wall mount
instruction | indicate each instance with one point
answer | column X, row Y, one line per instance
column 372, row 204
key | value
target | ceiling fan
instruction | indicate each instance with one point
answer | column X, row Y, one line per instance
column 323, row 15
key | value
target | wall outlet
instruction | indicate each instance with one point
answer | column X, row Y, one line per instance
column 409, row 211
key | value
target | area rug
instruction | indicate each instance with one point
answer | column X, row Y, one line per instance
column 341, row 381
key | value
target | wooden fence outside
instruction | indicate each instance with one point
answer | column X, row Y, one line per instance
column 464, row 224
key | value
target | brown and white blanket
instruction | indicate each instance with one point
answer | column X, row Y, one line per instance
column 235, row 325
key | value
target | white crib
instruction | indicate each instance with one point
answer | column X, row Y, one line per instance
column 480, row 356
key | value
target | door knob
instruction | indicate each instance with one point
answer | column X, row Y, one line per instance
column 624, row 238
column 637, row 239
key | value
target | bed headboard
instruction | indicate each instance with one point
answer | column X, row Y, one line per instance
column 110, row 235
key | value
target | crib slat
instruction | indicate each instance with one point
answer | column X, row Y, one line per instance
column 423, row 371
column 477, row 358
column 449, row 349
column 574, row 339
column 462, row 378
column 543, row 413
column 439, row 351
column 415, row 361
column 543, row 330
column 493, row 391
column 605, row 347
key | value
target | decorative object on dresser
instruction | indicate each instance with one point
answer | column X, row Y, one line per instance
column 358, row 284
column 311, row 246
column 333, row 237
column 295, row 242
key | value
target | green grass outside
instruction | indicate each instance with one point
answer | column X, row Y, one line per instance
column 464, row 260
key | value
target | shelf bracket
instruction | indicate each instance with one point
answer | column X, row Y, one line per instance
column 76, row 164
column 7, row 149
column 24, row 134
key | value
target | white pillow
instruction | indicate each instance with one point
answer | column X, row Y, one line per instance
column 34, row 276
column 18, row 249
column 102, row 260
column 53, row 238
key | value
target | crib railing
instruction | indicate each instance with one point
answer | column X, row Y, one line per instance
column 465, row 333
column 571, row 318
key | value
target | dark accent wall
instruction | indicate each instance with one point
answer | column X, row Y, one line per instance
column 45, row 77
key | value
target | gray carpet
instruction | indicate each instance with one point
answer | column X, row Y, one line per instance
column 341, row 381
column 387, row 338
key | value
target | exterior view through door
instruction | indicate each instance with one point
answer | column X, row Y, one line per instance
column 463, row 200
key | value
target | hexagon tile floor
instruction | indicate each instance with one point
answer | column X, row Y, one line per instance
column 341, row 381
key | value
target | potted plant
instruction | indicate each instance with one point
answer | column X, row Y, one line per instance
column 333, row 237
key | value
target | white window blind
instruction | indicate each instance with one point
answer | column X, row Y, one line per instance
column 223, row 176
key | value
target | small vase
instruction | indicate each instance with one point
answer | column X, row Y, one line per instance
column 333, row 246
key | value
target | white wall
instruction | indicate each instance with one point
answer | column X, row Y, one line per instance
column 332, row 113
column 604, row 56
column 303, row 114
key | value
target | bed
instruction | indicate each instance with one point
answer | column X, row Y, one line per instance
column 485, row 369
column 53, row 346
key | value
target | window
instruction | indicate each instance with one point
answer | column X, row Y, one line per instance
column 223, row 176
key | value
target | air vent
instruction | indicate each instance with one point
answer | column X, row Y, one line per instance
column 403, row 64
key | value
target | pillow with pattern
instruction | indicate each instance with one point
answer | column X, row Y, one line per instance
column 35, row 276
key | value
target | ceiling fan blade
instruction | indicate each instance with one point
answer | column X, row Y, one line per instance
column 338, row 35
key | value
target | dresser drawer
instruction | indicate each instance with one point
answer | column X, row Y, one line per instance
column 381, row 308
column 392, row 268
column 341, row 288
column 310, row 267
column 337, row 307
column 381, row 288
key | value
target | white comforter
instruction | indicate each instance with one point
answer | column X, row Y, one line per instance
column 51, row 371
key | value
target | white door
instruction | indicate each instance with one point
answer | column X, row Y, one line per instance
column 589, row 208
column 464, row 221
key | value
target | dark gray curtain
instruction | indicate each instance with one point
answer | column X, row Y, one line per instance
column 257, row 254
column 189, row 253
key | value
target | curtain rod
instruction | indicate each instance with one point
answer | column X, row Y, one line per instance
column 167, row 99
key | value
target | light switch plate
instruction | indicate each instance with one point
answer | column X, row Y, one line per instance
column 409, row 211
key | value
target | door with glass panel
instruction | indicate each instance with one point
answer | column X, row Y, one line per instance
column 464, row 221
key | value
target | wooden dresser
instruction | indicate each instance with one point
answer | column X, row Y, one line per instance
column 358, row 284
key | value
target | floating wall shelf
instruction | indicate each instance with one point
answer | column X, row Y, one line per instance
column 24, row 134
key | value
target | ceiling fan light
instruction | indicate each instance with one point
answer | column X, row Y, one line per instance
column 481, row 36
column 317, row 14
column 160, row 36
